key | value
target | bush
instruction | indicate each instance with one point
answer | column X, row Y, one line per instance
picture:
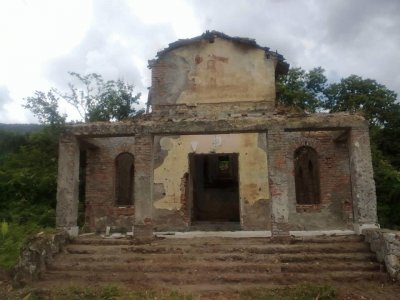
column 12, row 242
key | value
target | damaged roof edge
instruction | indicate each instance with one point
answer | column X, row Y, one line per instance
column 282, row 67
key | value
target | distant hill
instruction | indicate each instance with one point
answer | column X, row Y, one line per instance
column 20, row 128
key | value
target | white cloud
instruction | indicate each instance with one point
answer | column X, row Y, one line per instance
column 44, row 39
column 32, row 32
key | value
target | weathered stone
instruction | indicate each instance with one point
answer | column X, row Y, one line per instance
column 34, row 257
column 214, row 95
column 383, row 242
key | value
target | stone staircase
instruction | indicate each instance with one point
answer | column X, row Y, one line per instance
column 214, row 263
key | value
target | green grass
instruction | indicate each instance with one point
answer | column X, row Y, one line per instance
column 111, row 292
column 12, row 241
column 300, row 292
column 108, row 292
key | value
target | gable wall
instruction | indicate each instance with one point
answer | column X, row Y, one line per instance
column 218, row 72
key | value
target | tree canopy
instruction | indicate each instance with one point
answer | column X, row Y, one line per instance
column 302, row 89
column 355, row 94
column 91, row 96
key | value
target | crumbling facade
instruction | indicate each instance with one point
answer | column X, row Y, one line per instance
column 214, row 151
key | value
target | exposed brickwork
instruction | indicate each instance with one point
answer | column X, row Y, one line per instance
column 335, row 208
column 185, row 208
column 143, row 179
column 219, row 90
column 334, row 174
column 278, row 181
column 101, row 208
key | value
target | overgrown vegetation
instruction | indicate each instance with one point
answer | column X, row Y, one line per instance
column 12, row 240
column 28, row 161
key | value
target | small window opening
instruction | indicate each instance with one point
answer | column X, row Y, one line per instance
column 223, row 164
column 124, row 164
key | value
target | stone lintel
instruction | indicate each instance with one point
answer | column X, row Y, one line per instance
column 151, row 125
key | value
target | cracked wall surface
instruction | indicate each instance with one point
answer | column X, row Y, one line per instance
column 216, row 94
column 221, row 71
column 174, row 150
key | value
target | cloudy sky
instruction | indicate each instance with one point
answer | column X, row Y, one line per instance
column 42, row 40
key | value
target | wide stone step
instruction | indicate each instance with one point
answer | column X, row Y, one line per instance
column 95, row 240
column 317, row 267
column 166, row 257
column 216, row 257
column 194, row 277
column 260, row 249
column 214, row 262
column 328, row 257
column 216, row 266
column 150, row 267
column 328, row 239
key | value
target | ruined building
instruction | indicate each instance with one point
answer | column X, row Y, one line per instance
column 214, row 150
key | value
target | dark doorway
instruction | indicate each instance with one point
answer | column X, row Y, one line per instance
column 215, row 186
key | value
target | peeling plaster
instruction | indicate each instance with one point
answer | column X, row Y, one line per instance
column 220, row 72
column 253, row 169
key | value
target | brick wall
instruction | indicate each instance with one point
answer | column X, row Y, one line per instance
column 335, row 208
column 100, row 196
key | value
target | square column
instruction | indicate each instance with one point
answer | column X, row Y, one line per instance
column 68, row 185
column 143, row 227
column 362, row 180
column 278, row 181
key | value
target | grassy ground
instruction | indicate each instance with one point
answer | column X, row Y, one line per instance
column 13, row 237
column 301, row 292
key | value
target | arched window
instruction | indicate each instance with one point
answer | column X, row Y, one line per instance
column 124, row 179
column 306, row 176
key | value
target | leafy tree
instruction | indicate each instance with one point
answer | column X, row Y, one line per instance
column 28, row 180
column 387, row 181
column 355, row 94
column 28, row 175
column 10, row 142
column 93, row 98
column 302, row 89
column 45, row 106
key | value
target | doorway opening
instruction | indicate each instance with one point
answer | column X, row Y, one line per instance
column 215, row 187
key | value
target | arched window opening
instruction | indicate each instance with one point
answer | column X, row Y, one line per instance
column 307, row 176
column 124, row 165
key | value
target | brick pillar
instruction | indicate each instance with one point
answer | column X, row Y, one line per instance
column 68, row 185
column 278, row 181
column 143, row 227
column 362, row 181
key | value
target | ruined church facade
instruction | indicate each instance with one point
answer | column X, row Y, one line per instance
column 215, row 151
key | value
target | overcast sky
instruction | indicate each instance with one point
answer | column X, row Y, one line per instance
column 42, row 40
